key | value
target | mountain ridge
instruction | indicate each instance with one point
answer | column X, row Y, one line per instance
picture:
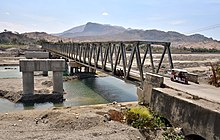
column 98, row 31
column 92, row 29
column 105, row 32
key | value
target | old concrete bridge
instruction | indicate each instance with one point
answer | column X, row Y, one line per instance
column 194, row 107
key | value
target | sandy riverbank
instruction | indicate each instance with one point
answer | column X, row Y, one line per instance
column 78, row 123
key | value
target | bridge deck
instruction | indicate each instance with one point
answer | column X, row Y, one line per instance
column 204, row 91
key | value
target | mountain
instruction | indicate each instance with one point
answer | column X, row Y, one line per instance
column 103, row 32
column 92, row 29
column 72, row 31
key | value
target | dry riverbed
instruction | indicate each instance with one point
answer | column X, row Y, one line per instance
column 77, row 123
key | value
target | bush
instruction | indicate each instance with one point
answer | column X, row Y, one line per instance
column 141, row 117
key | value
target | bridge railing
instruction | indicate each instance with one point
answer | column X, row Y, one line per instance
column 116, row 58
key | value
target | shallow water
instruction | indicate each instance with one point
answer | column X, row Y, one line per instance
column 10, row 72
column 79, row 92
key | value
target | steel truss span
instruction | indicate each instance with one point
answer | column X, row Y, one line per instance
column 125, row 59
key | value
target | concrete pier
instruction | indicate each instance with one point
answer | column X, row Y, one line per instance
column 86, row 69
column 57, row 82
column 28, row 66
column 28, row 82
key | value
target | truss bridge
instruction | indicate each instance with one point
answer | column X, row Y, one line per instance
column 127, row 60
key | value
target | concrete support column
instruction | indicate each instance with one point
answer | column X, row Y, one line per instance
column 86, row 69
column 58, row 81
column 66, row 66
column 92, row 70
column 28, row 83
column 45, row 73
column 71, row 70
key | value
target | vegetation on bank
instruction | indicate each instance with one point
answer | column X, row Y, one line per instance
column 200, row 50
column 142, row 118
column 215, row 77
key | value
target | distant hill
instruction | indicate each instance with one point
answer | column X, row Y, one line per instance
column 42, row 36
column 92, row 29
column 103, row 32
column 15, row 38
column 108, row 32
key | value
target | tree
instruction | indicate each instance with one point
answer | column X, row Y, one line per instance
column 215, row 77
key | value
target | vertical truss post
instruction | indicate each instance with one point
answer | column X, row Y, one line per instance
column 110, row 55
column 117, row 53
column 138, row 57
column 124, row 61
column 169, row 56
column 145, row 55
column 161, row 59
column 151, row 59
column 130, row 61
column 105, row 57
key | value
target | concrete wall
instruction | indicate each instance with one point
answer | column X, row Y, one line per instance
column 151, row 81
column 194, row 116
column 198, row 117
column 154, row 79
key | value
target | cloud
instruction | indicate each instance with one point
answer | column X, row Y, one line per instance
column 105, row 14
column 7, row 13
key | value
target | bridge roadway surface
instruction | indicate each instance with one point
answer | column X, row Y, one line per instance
column 204, row 91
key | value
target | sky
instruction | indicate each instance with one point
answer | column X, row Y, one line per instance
column 55, row 16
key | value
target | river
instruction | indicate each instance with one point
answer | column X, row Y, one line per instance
column 79, row 92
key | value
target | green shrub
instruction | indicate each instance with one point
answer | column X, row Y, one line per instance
column 171, row 134
column 141, row 117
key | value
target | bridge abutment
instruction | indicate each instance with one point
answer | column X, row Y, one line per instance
column 151, row 81
column 196, row 116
